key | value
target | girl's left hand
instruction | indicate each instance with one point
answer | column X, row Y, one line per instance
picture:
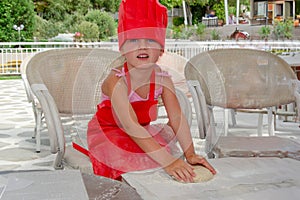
column 195, row 159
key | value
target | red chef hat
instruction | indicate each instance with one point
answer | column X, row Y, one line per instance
column 141, row 19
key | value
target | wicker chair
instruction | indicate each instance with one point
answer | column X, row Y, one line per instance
column 241, row 79
column 67, row 84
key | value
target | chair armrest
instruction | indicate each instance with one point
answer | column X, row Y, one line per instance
column 53, row 121
column 200, row 106
column 185, row 105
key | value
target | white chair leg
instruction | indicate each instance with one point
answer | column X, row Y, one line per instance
column 233, row 118
column 270, row 122
column 211, row 135
column 226, row 121
column 204, row 111
column 260, row 124
column 35, row 118
column 38, row 131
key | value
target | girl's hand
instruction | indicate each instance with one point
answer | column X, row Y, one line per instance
column 181, row 171
column 195, row 159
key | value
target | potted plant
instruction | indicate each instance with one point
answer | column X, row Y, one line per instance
column 264, row 32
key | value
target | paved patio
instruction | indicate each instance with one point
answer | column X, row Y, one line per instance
column 17, row 148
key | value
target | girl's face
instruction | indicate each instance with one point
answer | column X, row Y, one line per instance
column 139, row 52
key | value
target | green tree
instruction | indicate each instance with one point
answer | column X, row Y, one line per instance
column 297, row 5
column 196, row 7
column 65, row 16
column 171, row 3
column 71, row 20
column 104, row 20
column 199, row 3
column 40, row 7
column 178, row 3
column 40, row 32
column 89, row 30
column 80, row 6
column 58, row 9
column 51, row 9
column 220, row 10
column 108, row 6
column 16, row 12
column 46, row 29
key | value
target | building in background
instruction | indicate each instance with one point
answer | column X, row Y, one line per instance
column 273, row 9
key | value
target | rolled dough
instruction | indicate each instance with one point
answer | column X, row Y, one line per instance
column 202, row 174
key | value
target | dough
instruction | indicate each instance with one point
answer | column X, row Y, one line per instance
column 202, row 174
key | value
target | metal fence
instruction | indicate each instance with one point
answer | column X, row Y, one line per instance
column 12, row 54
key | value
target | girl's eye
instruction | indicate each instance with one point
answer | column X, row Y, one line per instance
column 133, row 40
column 151, row 40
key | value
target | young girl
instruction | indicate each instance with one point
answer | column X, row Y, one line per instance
column 120, row 136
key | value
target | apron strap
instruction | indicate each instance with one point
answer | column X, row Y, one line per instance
column 80, row 149
column 152, row 82
column 152, row 86
column 127, row 78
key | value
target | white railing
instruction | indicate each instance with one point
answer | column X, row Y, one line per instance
column 12, row 54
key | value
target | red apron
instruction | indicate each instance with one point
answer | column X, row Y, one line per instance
column 111, row 150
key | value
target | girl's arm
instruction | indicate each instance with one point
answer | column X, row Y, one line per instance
column 180, row 126
column 176, row 117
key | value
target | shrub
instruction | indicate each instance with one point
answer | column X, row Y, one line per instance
column 104, row 21
column 283, row 29
column 177, row 32
column 177, row 21
column 264, row 32
column 188, row 33
column 200, row 29
column 288, row 29
column 215, row 34
column 47, row 29
column 88, row 30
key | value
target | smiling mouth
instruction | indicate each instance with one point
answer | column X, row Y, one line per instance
column 143, row 56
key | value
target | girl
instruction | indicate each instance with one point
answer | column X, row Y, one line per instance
column 120, row 136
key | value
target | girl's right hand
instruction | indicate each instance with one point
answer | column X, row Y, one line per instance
column 181, row 171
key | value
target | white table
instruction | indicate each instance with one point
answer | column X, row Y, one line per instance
column 48, row 185
column 237, row 178
column 62, row 185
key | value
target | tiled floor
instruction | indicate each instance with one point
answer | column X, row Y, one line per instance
column 17, row 148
